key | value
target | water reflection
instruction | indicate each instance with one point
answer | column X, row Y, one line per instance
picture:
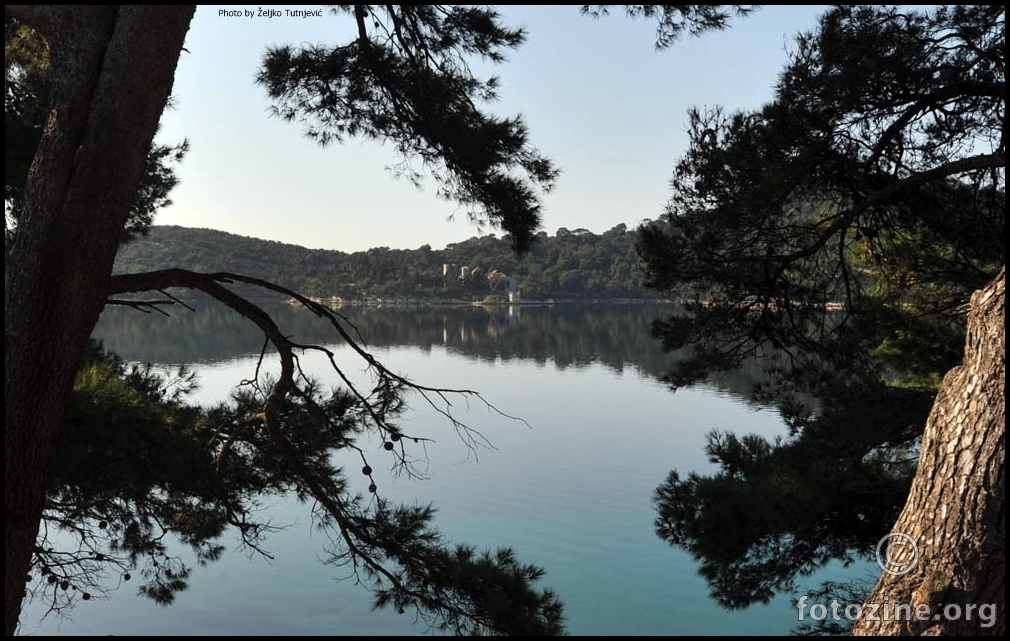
column 573, row 494
column 565, row 336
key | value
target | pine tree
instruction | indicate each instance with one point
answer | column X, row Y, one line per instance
column 846, row 226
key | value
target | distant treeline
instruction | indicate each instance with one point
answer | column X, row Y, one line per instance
column 572, row 264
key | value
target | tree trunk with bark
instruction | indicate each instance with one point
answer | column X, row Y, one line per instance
column 952, row 580
column 112, row 73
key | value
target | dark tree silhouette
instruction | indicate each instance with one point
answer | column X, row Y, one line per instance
column 846, row 225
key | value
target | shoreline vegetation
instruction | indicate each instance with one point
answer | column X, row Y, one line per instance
column 569, row 265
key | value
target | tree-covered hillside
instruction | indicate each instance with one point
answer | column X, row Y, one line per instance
column 570, row 264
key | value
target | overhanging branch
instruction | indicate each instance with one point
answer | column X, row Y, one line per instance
column 364, row 542
column 213, row 284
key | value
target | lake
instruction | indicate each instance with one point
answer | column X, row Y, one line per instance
column 569, row 486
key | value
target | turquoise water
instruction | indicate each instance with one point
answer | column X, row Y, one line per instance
column 570, row 492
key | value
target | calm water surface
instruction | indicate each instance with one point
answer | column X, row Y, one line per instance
column 571, row 491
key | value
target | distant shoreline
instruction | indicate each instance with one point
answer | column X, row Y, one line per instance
column 480, row 303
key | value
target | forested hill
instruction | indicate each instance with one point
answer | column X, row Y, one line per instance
column 575, row 264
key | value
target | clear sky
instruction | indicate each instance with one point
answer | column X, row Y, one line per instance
column 599, row 100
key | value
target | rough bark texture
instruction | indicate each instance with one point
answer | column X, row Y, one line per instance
column 113, row 69
column 955, row 510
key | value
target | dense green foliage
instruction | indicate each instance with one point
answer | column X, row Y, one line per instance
column 406, row 78
column 845, row 224
column 872, row 182
column 569, row 265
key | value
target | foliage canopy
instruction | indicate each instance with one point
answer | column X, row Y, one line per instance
column 841, row 228
column 406, row 78
column 873, row 182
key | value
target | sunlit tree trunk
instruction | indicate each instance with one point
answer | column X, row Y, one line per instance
column 112, row 73
column 954, row 575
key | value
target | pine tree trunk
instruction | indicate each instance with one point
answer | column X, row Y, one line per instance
column 955, row 510
column 112, row 73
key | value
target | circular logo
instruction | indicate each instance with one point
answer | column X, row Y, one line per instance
column 892, row 556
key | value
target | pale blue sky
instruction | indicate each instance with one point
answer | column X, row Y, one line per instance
column 598, row 98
